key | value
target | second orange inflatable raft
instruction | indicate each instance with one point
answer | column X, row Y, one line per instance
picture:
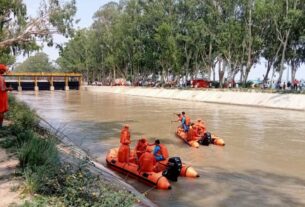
column 195, row 143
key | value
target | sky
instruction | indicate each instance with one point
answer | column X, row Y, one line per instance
column 85, row 12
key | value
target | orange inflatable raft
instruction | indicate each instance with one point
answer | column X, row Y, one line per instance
column 195, row 143
column 161, row 175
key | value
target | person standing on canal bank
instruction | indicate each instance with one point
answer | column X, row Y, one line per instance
column 3, row 94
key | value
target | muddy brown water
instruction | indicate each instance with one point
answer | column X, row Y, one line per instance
column 262, row 164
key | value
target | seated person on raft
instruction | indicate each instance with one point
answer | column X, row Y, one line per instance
column 147, row 161
column 199, row 127
column 141, row 147
column 192, row 134
column 160, row 151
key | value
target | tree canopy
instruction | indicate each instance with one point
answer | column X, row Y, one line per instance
column 135, row 37
column 38, row 63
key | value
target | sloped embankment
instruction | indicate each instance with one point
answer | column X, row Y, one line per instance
column 256, row 99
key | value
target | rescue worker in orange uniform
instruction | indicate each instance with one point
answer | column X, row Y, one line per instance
column 3, row 94
column 192, row 134
column 141, row 147
column 124, row 150
column 147, row 161
column 186, row 121
column 160, row 151
column 199, row 128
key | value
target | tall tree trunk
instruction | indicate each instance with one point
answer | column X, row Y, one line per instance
column 221, row 72
column 269, row 64
column 249, row 60
column 293, row 70
column 246, row 75
column 210, row 61
column 114, row 73
column 283, row 56
column 188, row 56
column 241, row 74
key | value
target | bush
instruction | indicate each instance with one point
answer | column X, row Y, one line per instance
column 38, row 152
column 41, row 179
column 22, row 116
column 76, row 188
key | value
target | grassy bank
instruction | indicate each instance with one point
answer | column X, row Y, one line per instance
column 51, row 181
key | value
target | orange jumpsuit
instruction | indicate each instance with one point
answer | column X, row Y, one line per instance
column 3, row 96
column 200, row 128
column 191, row 134
column 147, row 162
column 141, row 147
column 124, row 150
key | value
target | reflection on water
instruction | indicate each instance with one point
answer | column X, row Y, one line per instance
column 262, row 163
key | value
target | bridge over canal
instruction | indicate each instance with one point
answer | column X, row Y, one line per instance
column 43, row 80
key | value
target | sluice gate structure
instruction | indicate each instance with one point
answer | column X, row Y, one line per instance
column 43, row 81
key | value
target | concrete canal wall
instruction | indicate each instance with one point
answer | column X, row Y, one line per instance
column 257, row 99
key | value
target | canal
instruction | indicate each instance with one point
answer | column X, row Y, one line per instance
column 262, row 163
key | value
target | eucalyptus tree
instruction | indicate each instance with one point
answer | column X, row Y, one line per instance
column 74, row 55
column 271, row 47
column 286, row 17
column 105, row 21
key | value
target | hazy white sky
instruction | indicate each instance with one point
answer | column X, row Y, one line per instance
column 85, row 11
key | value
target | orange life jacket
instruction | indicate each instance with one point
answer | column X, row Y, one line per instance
column 125, row 136
column 140, row 148
column 191, row 134
column 147, row 162
column 163, row 151
column 187, row 120
column 123, row 153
